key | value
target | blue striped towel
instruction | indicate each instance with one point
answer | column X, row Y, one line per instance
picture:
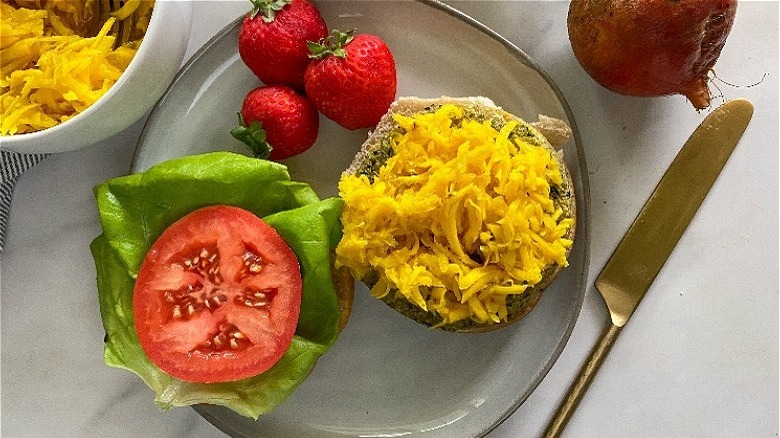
column 12, row 164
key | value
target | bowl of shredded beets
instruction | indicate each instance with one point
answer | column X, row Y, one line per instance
column 78, row 73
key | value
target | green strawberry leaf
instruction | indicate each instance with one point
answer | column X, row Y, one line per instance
column 254, row 136
column 267, row 9
column 333, row 44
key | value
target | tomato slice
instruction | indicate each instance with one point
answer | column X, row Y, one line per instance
column 217, row 297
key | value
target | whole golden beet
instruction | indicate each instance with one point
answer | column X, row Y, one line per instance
column 651, row 47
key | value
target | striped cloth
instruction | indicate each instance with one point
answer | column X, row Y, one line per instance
column 12, row 164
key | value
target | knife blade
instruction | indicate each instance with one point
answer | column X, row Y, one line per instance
column 640, row 255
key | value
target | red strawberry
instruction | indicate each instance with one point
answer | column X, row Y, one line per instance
column 273, row 39
column 351, row 78
column 276, row 122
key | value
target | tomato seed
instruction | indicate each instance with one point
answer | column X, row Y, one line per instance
column 252, row 261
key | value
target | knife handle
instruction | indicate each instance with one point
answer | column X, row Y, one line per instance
column 581, row 384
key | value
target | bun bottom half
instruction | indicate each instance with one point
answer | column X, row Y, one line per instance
column 547, row 133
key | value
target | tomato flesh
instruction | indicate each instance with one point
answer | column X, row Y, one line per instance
column 217, row 297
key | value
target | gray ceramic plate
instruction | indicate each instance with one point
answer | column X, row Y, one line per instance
column 387, row 376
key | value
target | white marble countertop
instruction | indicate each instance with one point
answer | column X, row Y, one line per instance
column 698, row 359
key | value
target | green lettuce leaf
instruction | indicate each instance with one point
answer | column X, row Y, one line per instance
column 135, row 209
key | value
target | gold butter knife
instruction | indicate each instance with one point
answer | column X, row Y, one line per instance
column 638, row 258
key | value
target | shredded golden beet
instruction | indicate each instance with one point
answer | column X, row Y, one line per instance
column 51, row 69
column 458, row 218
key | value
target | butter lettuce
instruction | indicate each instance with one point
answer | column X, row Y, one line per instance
column 135, row 209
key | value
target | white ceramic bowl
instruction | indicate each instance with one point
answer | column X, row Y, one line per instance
column 150, row 72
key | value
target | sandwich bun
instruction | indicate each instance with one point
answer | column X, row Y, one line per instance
column 547, row 134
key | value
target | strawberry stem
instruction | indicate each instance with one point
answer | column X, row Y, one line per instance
column 254, row 136
column 333, row 44
column 267, row 9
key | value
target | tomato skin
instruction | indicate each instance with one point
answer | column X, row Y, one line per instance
column 217, row 297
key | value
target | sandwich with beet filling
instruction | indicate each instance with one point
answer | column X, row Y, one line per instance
column 458, row 214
